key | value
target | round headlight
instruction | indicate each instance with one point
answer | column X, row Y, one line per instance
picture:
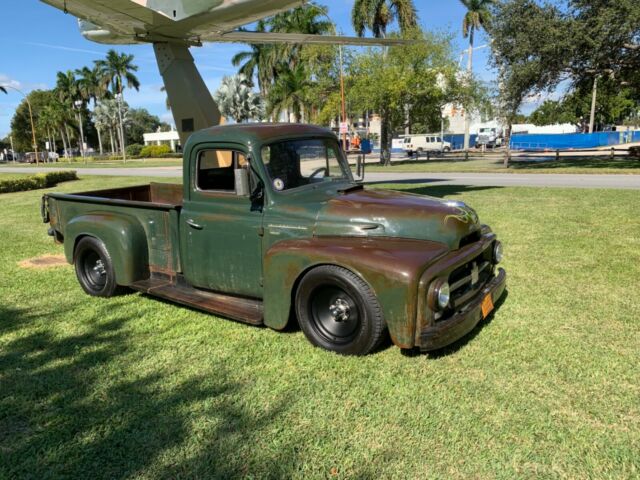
column 443, row 294
column 498, row 254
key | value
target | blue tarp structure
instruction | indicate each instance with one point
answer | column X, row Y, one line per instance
column 570, row 141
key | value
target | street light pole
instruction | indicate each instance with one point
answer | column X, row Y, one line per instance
column 33, row 129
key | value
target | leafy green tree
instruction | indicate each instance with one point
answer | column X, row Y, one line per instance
column 140, row 121
column 289, row 92
column 21, row 124
column 405, row 82
column 236, row 100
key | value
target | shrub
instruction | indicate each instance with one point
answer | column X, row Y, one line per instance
column 154, row 151
column 34, row 182
column 134, row 149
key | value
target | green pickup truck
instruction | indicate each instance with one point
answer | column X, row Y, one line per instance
column 270, row 226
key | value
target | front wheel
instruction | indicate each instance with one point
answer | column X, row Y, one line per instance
column 338, row 311
column 94, row 268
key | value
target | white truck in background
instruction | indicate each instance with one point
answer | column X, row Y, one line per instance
column 490, row 137
column 425, row 143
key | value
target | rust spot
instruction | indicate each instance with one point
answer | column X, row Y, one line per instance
column 45, row 261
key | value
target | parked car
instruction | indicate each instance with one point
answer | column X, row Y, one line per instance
column 269, row 224
column 425, row 143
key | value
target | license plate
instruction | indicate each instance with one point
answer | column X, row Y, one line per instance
column 487, row 306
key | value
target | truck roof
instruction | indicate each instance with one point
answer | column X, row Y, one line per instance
column 258, row 132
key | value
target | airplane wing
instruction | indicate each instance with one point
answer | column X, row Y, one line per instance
column 189, row 21
column 274, row 37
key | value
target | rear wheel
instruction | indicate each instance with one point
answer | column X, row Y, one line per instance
column 94, row 268
column 339, row 312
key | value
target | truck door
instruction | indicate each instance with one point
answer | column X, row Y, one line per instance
column 221, row 242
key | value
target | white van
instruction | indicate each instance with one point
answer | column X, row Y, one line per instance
column 425, row 143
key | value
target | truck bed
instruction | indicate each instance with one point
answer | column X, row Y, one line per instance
column 151, row 213
column 165, row 194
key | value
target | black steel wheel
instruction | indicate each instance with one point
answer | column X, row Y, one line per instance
column 338, row 311
column 94, row 268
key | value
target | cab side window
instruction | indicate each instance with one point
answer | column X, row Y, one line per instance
column 215, row 170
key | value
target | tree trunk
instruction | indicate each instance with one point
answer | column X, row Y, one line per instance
column 507, row 139
column 113, row 150
column 385, row 133
column 99, row 139
column 467, row 116
column 64, row 144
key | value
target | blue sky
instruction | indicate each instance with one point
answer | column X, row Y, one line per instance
column 37, row 41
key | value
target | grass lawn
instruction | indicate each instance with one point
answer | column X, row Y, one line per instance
column 599, row 165
column 14, row 176
column 139, row 388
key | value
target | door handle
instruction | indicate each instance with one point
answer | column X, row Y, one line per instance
column 193, row 224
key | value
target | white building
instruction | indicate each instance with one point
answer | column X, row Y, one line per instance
column 170, row 138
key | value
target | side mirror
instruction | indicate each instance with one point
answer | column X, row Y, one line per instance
column 241, row 182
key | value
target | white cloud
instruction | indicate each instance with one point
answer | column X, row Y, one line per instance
column 9, row 82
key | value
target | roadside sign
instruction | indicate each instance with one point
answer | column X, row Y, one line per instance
column 344, row 127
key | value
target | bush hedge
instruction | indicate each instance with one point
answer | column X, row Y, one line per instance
column 34, row 182
column 155, row 151
column 134, row 149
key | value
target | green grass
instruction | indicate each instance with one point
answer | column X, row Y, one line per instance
column 593, row 165
column 13, row 176
column 133, row 387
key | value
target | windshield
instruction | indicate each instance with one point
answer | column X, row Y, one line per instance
column 296, row 163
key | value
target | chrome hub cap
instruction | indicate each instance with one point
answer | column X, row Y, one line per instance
column 340, row 310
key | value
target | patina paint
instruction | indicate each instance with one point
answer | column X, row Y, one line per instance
column 251, row 255
column 392, row 268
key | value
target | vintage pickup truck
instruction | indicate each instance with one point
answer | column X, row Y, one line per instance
column 269, row 225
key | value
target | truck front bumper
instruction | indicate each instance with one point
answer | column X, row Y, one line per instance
column 447, row 331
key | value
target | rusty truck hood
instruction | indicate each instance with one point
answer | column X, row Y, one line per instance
column 390, row 213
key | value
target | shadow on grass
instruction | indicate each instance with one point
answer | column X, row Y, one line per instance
column 439, row 191
column 458, row 345
column 595, row 163
column 65, row 411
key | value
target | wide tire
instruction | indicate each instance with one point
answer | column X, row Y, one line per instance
column 94, row 268
column 338, row 311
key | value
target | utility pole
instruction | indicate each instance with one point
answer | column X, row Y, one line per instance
column 344, row 108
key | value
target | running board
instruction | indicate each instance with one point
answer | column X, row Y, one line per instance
column 237, row 308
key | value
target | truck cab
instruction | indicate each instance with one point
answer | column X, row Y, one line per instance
column 269, row 226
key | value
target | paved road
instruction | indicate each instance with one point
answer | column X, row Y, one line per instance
column 473, row 179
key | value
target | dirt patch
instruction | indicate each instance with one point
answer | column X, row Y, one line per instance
column 45, row 261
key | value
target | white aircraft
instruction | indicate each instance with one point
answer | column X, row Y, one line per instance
column 172, row 26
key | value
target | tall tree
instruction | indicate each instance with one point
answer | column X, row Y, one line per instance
column 92, row 87
column 236, row 99
column 67, row 91
column 289, row 93
column 117, row 70
column 478, row 16
column 376, row 16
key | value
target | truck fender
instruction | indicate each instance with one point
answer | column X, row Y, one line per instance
column 122, row 235
column 392, row 268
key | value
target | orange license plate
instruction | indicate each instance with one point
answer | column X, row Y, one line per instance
column 487, row 306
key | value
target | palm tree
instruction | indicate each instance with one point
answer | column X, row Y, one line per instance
column 116, row 70
column 478, row 17
column 92, row 87
column 235, row 99
column 289, row 92
column 377, row 15
column 67, row 92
